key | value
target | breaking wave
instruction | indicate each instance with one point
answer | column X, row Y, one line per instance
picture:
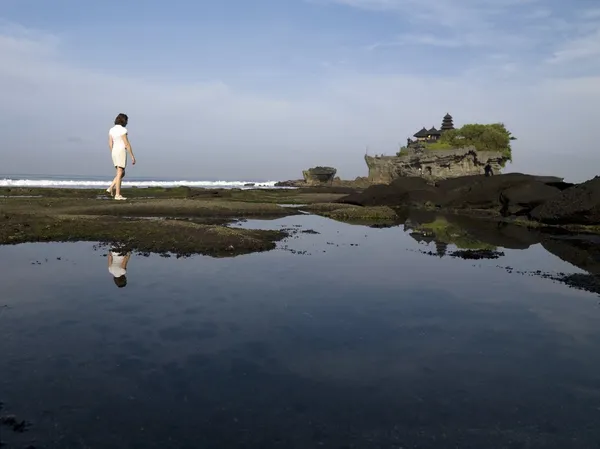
column 71, row 183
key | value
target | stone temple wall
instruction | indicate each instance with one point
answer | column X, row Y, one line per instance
column 432, row 164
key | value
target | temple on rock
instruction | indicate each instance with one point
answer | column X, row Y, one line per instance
column 432, row 135
column 419, row 159
column 447, row 123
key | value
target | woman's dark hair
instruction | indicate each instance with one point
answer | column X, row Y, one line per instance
column 121, row 119
column 121, row 281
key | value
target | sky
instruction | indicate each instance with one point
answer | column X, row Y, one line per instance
column 262, row 89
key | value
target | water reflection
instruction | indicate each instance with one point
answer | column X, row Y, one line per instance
column 362, row 344
column 117, row 266
column 480, row 239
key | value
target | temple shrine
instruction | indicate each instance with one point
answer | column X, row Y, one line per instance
column 432, row 135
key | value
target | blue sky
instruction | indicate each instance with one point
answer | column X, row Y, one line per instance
column 265, row 88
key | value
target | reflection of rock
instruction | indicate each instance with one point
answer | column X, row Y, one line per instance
column 476, row 254
column 478, row 239
column 580, row 281
column 583, row 252
column 497, row 234
column 319, row 175
column 443, row 232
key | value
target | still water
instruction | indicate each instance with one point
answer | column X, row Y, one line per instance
column 350, row 338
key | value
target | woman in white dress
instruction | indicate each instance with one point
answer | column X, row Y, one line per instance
column 119, row 145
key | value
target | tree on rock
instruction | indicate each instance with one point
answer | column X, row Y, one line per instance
column 491, row 137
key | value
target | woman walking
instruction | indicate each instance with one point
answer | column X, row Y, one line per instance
column 119, row 145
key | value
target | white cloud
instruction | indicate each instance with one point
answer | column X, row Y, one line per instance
column 54, row 118
column 581, row 48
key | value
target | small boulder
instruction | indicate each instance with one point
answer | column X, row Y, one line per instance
column 319, row 175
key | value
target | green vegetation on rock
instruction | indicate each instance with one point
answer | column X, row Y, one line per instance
column 491, row 137
column 362, row 213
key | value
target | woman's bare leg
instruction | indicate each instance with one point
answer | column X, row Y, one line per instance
column 112, row 185
column 118, row 180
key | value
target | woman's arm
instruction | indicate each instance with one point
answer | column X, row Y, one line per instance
column 125, row 261
column 128, row 146
column 110, row 142
column 110, row 259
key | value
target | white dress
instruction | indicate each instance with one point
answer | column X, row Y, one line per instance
column 119, row 153
column 116, row 267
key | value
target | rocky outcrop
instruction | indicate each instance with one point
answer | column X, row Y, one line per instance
column 358, row 183
column 432, row 164
column 319, row 175
column 579, row 204
column 548, row 200
column 509, row 194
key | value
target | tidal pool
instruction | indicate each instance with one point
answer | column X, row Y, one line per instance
column 345, row 336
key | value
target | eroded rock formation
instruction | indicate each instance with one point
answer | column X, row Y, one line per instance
column 545, row 199
column 432, row 164
column 319, row 175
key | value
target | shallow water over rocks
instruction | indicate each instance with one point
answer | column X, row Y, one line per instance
column 344, row 336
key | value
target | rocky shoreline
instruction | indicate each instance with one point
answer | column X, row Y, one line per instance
column 525, row 199
column 180, row 221
column 194, row 220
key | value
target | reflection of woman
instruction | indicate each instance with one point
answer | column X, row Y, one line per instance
column 117, row 266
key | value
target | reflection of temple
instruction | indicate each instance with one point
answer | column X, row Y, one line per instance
column 441, row 248
column 423, row 237
column 432, row 135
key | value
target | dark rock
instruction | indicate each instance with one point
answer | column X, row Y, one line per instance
column 522, row 198
column 521, row 192
column 560, row 185
column 210, row 193
column 579, row 204
column 400, row 192
column 359, row 182
column 334, row 190
column 543, row 198
column 481, row 192
column 291, row 183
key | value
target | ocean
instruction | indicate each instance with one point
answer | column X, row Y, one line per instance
column 91, row 182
